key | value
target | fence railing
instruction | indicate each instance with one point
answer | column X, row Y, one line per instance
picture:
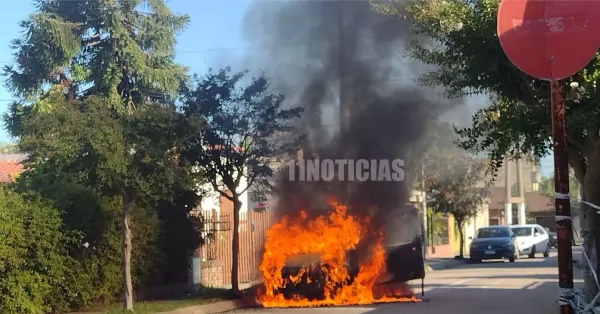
column 216, row 254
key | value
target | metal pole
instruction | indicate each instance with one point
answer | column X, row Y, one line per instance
column 431, row 245
column 522, row 216
column 424, row 206
column 564, row 231
column 508, row 215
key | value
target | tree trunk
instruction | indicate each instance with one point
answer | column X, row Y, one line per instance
column 126, row 255
column 235, row 246
column 591, row 219
column 461, row 238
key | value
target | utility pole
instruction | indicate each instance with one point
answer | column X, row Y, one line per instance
column 522, row 215
column 564, row 229
column 508, row 203
column 424, row 206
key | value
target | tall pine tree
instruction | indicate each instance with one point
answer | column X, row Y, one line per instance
column 121, row 51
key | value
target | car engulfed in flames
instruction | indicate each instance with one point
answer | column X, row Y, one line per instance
column 316, row 262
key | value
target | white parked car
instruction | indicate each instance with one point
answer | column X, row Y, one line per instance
column 532, row 239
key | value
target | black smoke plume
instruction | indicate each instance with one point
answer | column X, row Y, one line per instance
column 326, row 54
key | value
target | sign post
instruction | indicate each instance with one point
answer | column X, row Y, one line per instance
column 552, row 40
column 564, row 228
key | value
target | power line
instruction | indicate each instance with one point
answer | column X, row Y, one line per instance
column 210, row 50
column 181, row 52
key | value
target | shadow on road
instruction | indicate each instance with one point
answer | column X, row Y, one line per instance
column 529, row 299
column 502, row 276
column 523, row 262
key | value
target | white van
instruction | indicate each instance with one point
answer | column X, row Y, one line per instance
column 532, row 239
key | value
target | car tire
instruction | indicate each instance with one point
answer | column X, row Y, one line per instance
column 515, row 256
column 547, row 253
column 473, row 261
column 532, row 254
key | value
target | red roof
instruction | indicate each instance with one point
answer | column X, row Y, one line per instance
column 10, row 167
column 9, row 170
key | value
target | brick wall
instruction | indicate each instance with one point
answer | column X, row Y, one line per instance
column 211, row 274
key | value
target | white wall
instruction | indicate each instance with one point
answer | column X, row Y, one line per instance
column 211, row 200
column 481, row 220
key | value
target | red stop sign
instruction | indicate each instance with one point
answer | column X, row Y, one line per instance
column 549, row 39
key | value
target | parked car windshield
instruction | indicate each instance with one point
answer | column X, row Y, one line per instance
column 492, row 233
column 522, row 231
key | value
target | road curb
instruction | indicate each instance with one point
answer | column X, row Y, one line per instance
column 443, row 265
column 216, row 307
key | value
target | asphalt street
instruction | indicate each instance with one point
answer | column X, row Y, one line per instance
column 528, row 286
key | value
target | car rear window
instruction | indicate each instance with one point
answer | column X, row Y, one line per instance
column 493, row 233
column 522, row 231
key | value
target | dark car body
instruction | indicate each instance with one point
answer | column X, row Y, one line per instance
column 494, row 242
column 404, row 262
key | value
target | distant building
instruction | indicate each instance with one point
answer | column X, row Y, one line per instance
column 531, row 176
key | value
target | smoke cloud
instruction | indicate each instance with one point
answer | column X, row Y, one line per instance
column 340, row 58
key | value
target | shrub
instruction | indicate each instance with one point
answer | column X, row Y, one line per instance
column 34, row 261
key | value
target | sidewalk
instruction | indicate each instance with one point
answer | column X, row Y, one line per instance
column 217, row 307
column 433, row 264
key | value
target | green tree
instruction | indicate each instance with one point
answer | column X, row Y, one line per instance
column 438, row 224
column 438, row 151
column 546, row 187
column 459, row 39
column 9, row 148
column 133, row 158
column 36, row 272
column 459, row 191
column 234, row 135
column 122, row 50
column 97, row 217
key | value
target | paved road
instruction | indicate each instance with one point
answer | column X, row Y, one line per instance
column 528, row 286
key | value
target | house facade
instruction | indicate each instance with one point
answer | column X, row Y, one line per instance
column 446, row 241
column 213, row 200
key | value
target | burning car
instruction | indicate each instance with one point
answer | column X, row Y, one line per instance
column 307, row 275
column 334, row 261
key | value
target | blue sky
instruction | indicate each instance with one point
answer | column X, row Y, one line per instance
column 213, row 36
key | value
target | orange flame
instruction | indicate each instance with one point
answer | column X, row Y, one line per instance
column 331, row 238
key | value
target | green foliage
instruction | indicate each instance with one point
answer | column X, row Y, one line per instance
column 8, row 148
column 427, row 156
column 123, row 51
column 438, row 152
column 36, row 273
column 459, row 39
column 104, row 162
column 460, row 190
column 115, row 42
column 438, row 223
column 98, row 220
column 546, row 187
column 236, row 132
column 134, row 153
column 96, row 82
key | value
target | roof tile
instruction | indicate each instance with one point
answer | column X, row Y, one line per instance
column 10, row 167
